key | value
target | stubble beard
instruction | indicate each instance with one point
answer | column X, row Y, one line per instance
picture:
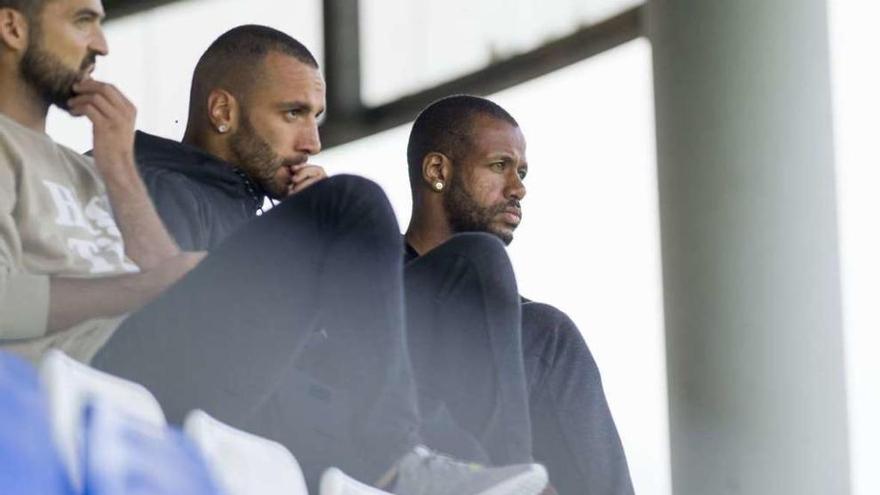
column 466, row 215
column 48, row 75
column 254, row 155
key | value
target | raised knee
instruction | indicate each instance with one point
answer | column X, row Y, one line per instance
column 478, row 245
column 356, row 186
column 352, row 195
column 485, row 254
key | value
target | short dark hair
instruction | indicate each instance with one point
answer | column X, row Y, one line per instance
column 445, row 127
column 252, row 42
column 233, row 60
column 30, row 8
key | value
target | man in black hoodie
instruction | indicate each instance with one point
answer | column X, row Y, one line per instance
column 203, row 198
column 181, row 178
column 467, row 167
column 249, row 136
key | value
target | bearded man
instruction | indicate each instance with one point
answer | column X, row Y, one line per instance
column 467, row 169
column 249, row 136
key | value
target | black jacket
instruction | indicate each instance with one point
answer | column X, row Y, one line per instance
column 200, row 198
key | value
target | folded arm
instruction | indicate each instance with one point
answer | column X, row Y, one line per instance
column 72, row 301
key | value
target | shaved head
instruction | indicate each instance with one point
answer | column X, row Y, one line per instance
column 30, row 8
column 235, row 62
column 446, row 126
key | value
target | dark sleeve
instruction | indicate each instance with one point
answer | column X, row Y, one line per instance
column 573, row 432
column 178, row 204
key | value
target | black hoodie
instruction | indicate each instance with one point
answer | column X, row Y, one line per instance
column 200, row 198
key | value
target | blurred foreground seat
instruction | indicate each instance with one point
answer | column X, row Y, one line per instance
column 244, row 463
column 80, row 431
column 125, row 455
column 29, row 463
column 71, row 387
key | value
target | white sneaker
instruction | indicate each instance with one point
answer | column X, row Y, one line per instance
column 423, row 472
column 335, row 482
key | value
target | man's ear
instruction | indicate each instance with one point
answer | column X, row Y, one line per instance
column 223, row 111
column 436, row 171
column 14, row 30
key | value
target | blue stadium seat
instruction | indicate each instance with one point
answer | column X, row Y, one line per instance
column 70, row 386
column 29, row 462
column 125, row 455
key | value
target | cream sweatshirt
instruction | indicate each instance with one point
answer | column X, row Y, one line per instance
column 55, row 221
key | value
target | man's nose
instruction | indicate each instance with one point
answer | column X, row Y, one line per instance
column 310, row 141
column 516, row 189
column 99, row 43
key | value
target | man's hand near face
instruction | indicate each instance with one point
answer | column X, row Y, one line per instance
column 112, row 115
column 303, row 176
column 113, row 118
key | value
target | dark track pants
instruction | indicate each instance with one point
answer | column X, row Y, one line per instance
column 573, row 432
column 292, row 329
column 463, row 320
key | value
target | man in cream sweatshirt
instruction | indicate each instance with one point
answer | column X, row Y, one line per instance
column 67, row 269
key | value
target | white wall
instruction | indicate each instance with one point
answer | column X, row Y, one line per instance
column 856, row 79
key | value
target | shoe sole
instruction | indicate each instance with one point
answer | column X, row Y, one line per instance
column 531, row 482
column 335, row 482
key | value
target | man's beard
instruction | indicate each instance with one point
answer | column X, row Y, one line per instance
column 257, row 159
column 466, row 215
column 48, row 75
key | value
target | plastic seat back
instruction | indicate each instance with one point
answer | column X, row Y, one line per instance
column 29, row 462
column 71, row 386
column 245, row 463
column 125, row 455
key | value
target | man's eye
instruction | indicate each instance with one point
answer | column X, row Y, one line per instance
column 499, row 166
column 293, row 114
column 523, row 173
column 86, row 19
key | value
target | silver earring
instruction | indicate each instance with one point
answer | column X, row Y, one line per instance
column 222, row 128
column 438, row 186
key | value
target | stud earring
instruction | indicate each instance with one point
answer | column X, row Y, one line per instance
column 438, row 186
column 222, row 128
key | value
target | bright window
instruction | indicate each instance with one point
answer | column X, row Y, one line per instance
column 432, row 41
column 856, row 79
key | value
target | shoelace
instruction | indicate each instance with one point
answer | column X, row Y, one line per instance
column 427, row 458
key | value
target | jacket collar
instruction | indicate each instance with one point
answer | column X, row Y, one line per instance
column 160, row 153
